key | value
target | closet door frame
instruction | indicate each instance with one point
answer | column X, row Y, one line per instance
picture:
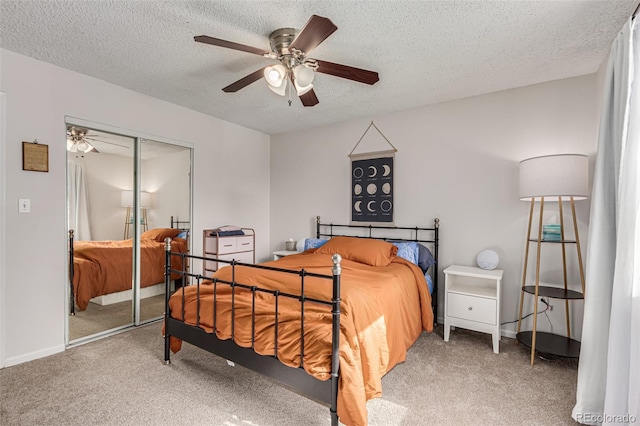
column 138, row 137
column 3, row 144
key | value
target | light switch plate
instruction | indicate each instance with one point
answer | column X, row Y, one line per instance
column 24, row 205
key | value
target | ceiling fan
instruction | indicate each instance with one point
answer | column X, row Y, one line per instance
column 77, row 140
column 295, row 71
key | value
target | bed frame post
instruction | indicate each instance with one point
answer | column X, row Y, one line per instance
column 72, row 304
column 167, row 290
column 317, row 226
column 335, row 340
column 436, row 237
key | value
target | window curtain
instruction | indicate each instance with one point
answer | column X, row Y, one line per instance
column 78, row 201
column 609, row 370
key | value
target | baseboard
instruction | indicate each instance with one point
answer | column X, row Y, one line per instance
column 127, row 295
column 508, row 333
column 503, row 332
column 8, row 362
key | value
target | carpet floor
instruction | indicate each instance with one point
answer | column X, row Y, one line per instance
column 121, row 380
column 98, row 318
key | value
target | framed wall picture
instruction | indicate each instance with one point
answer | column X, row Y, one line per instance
column 35, row 157
column 372, row 189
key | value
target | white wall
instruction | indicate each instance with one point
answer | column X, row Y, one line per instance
column 231, row 185
column 106, row 175
column 3, row 168
column 167, row 177
column 457, row 161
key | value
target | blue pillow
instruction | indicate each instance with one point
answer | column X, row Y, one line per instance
column 407, row 250
column 429, row 282
column 182, row 235
column 310, row 243
column 425, row 258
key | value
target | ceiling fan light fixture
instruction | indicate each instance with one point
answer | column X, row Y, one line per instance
column 303, row 75
column 83, row 146
column 279, row 90
column 275, row 75
column 302, row 90
column 76, row 141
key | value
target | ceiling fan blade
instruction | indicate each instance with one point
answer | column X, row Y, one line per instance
column 229, row 44
column 309, row 99
column 315, row 31
column 350, row 73
column 245, row 81
column 89, row 138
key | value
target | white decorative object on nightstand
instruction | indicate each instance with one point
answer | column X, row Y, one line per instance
column 472, row 301
column 282, row 253
column 488, row 259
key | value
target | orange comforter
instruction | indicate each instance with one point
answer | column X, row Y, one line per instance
column 383, row 312
column 104, row 267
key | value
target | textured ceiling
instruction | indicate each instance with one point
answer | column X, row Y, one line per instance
column 424, row 51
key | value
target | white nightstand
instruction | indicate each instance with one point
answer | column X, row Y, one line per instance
column 282, row 253
column 472, row 301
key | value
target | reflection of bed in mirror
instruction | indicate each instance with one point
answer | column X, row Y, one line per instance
column 101, row 271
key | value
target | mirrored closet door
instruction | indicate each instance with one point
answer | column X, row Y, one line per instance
column 125, row 193
column 165, row 182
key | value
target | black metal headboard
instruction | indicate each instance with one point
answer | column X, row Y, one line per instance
column 183, row 225
column 391, row 233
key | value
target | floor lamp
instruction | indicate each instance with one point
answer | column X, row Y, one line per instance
column 552, row 178
column 126, row 200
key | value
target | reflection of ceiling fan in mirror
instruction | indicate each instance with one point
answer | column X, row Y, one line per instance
column 295, row 71
column 77, row 140
column 81, row 140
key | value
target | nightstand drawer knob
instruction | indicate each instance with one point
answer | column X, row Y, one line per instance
column 470, row 308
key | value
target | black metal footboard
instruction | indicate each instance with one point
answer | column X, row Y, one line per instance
column 269, row 365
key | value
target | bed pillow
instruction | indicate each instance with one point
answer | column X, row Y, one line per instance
column 159, row 234
column 313, row 243
column 183, row 235
column 363, row 250
column 429, row 282
column 407, row 250
column 425, row 258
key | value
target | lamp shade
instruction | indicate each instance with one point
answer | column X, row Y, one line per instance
column 126, row 199
column 565, row 175
column 303, row 77
column 275, row 75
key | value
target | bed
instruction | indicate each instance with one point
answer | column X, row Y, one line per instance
column 328, row 323
column 99, row 268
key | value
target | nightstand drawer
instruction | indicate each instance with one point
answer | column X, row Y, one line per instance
column 471, row 308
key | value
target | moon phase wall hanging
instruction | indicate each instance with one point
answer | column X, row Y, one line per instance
column 372, row 182
column 372, row 190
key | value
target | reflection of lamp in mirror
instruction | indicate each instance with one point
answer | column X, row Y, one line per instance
column 126, row 200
